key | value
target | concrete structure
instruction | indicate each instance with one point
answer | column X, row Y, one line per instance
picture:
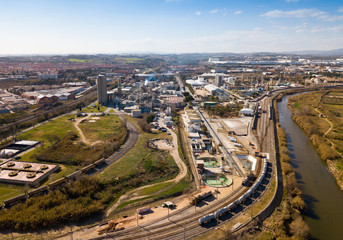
column 102, row 89
column 136, row 113
column 12, row 149
column 18, row 172
column 211, row 88
column 218, row 81
column 247, row 112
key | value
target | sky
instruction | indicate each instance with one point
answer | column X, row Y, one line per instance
column 168, row 26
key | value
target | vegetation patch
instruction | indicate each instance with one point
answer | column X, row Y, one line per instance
column 143, row 164
column 319, row 109
column 223, row 111
column 61, row 144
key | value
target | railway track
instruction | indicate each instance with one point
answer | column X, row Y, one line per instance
column 35, row 116
column 186, row 228
column 156, row 227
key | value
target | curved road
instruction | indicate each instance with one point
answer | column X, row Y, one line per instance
column 183, row 172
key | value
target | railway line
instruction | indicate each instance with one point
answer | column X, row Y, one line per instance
column 179, row 226
column 186, row 226
column 222, row 147
column 177, row 217
column 35, row 116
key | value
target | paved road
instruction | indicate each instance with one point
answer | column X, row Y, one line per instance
column 183, row 172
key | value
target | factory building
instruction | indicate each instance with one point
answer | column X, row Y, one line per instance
column 102, row 89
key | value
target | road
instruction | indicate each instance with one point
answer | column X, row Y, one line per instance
column 184, row 225
column 227, row 154
column 181, row 165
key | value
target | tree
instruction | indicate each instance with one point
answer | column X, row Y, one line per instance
column 150, row 118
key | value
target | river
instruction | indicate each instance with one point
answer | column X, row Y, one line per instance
column 320, row 191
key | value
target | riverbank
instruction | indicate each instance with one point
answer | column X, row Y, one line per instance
column 321, row 193
column 287, row 220
column 320, row 115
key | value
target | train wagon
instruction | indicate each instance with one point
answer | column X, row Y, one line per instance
column 38, row 191
column 221, row 212
column 87, row 168
column 57, row 183
column 144, row 210
column 15, row 200
column 206, row 219
column 99, row 162
column 74, row 175
column 201, row 197
column 231, row 206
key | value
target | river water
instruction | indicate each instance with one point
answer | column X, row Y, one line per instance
column 320, row 191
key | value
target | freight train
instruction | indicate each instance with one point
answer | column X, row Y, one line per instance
column 210, row 217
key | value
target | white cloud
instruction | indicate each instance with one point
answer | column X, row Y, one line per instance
column 238, row 12
column 198, row 13
column 303, row 13
column 300, row 13
column 214, row 11
column 328, row 18
column 292, row 1
column 334, row 29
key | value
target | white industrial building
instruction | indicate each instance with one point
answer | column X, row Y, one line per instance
column 247, row 112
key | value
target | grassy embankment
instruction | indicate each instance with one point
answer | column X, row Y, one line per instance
column 93, row 195
column 286, row 222
column 94, row 109
column 60, row 144
column 320, row 115
column 131, row 164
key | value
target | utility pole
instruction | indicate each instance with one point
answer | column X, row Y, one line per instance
column 252, row 206
column 168, row 212
column 71, row 233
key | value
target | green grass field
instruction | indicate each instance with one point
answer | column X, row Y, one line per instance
column 102, row 129
column 60, row 127
column 43, row 133
column 130, row 162
column 316, row 125
column 9, row 190
column 128, row 59
column 154, row 189
column 91, row 109
column 176, row 189
column 75, row 60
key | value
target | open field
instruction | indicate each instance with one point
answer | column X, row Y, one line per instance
column 103, row 129
column 176, row 189
column 153, row 189
column 10, row 190
column 58, row 127
column 140, row 157
column 92, row 109
column 53, row 136
column 320, row 115
column 76, row 60
column 60, row 140
column 128, row 59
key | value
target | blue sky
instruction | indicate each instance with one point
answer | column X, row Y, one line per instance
column 168, row 26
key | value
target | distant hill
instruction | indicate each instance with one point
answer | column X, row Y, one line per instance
column 335, row 52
